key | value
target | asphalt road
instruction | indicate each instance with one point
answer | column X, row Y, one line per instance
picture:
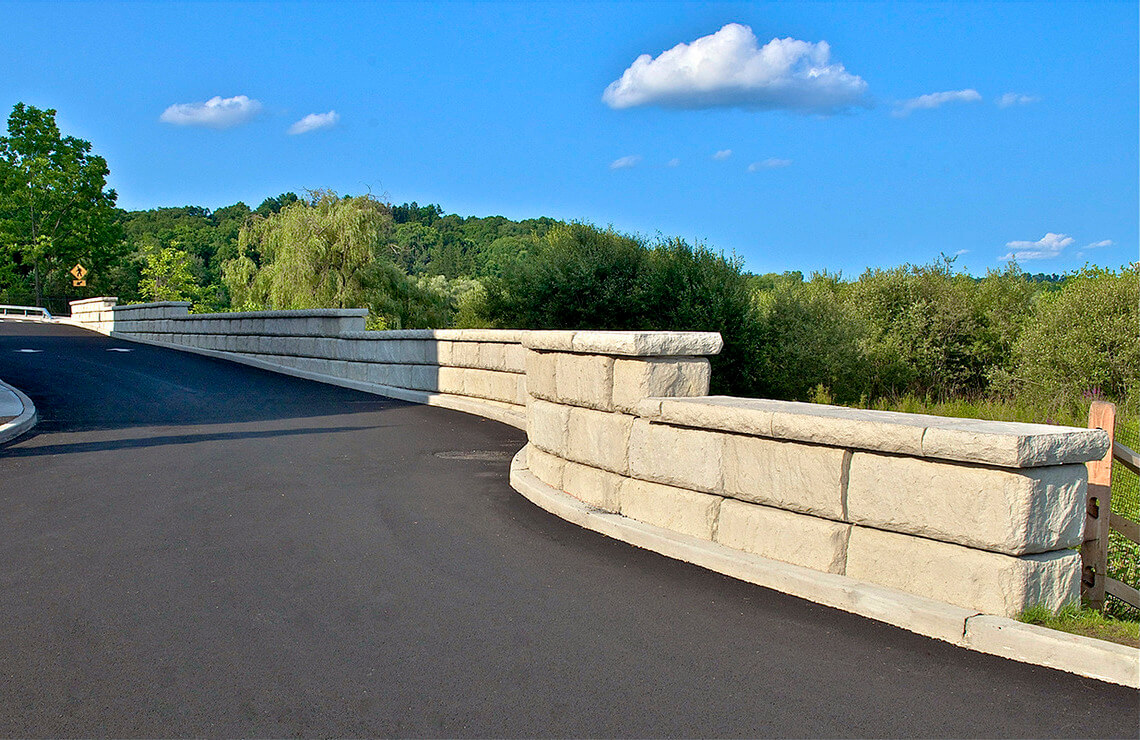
column 194, row 547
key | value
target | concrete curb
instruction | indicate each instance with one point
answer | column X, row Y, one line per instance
column 465, row 404
column 22, row 423
column 983, row 633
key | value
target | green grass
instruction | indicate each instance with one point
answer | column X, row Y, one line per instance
column 1078, row 620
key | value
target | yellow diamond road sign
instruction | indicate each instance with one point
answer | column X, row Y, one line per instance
column 79, row 271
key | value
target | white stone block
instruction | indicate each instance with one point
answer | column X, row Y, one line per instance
column 677, row 456
column 546, row 467
column 819, row 544
column 596, row 487
column 451, row 380
column 988, row 582
column 788, row 475
column 676, row 509
column 599, row 439
column 540, row 373
column 515, row 358
column 585, row 380
column 492, row 356
column 547, row 426
column 1005, row 510
column 465, row 354
column 423, row 377
column 635, row 380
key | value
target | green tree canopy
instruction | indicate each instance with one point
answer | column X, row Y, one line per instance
column 55, row 208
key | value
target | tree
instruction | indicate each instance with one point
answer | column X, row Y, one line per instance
column 54, row 205
column 166, row 275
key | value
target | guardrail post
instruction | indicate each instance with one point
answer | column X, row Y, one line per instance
column 1098, row 511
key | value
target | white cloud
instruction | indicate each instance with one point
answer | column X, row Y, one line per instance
column 217, row 112
column 624, row 163
column 1010, row 99
column 1050, row 245
column 673, row 162
column 314, row 121
column 769, row 164
column 961, row 252
column 1101, row 243
column 722, row 154
column 730, row 69
column 936, row 100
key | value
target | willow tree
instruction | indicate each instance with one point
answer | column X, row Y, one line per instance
column 315, row 253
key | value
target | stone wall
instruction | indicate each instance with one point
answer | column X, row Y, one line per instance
column 476, row 370
column 982, row 515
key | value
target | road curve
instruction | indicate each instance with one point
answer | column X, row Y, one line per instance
column 195, row 547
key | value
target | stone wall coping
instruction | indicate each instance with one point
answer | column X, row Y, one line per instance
column 627, row 343
column 998, row 443
column 304, row 313
column 502, row 336
column 157, row 304
column 86, row 301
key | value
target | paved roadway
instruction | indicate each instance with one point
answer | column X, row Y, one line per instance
column 195, row 547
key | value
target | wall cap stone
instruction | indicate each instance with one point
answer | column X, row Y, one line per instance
column 109, row 301
column 998, row 443
column 158, row 304
column 627, row 343
column 502, row 336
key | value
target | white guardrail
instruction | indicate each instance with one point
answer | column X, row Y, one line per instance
column 24, row 312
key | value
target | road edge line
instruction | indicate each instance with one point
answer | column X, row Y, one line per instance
column 992, row 635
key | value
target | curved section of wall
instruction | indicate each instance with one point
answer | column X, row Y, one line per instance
column 980, row 515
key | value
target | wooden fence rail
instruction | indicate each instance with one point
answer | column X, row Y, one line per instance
column 1100, row 520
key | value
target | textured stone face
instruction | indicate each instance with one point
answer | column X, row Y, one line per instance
column 546, row 467
column 547, row 425
column 593, row 486
column 540, row 373
column 787, row 475
column 627, row 343
column 819, row 544
column 1010, row 511
column 677, row 456
column 599, row 439
column 635, row 380
column 989, row 582
column 680, row 510
column 584, row 380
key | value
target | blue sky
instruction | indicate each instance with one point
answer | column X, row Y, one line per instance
column 498, row 109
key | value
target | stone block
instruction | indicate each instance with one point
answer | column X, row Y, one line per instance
column 547, row 426
column 451, row 380
column 677, row 456
column 725, row 413
column 423, row 377
column 634, row 380
column 585, row 380
column 989, row 582
column 676, row 509
column 1005, row 510
column 514, row 359
column 800, row 539
column 787, row 475
column 546, row 467
column 492, row 356
column 596, row 487
column 599, row 439
column 326, row 348
column 465, row 354
column 540, row 373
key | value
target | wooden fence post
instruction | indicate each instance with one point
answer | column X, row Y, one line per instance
column 1098, row 511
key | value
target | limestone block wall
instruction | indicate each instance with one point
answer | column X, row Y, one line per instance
column 984, row 515
column 478, row 370
column 94, row 313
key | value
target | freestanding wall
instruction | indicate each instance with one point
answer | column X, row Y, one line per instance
column 982, row 515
